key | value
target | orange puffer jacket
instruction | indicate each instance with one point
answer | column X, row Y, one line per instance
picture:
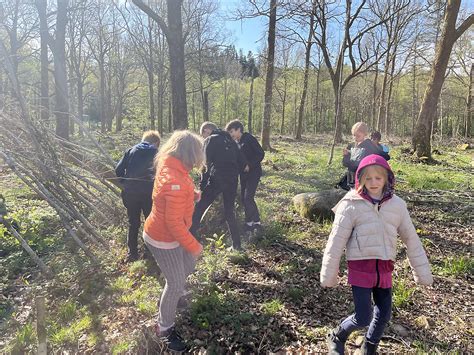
column 173, row 206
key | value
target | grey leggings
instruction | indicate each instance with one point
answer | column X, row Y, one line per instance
column 176, row 265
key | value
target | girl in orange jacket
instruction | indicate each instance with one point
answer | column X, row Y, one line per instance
column 166, row 232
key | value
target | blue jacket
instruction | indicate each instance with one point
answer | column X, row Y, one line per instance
column 136, row 168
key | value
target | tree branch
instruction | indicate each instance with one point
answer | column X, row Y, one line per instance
column 157, row 18
column 464, row 26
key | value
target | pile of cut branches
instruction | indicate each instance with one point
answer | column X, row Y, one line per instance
column 76, row 179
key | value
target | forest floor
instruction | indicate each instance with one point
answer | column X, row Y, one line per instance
column 268, row 299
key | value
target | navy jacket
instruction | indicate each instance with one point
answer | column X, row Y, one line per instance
column 253, row 152
column 357, row 153
column 136, row 168
column 224, row 160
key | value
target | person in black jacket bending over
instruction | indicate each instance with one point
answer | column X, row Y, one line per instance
column 355, row 152
column 223, row 163
column 137, row 176
column 251, row 174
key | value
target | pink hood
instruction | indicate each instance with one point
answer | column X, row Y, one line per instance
column 375, row 159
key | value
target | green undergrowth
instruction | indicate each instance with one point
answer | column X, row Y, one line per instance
column 87, row 303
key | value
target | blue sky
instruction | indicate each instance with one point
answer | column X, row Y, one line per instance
column 246, row 33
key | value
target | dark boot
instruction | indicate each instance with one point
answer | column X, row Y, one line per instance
column 173, row 340
column 369, row 348
column 131, row 258
column 335, row 344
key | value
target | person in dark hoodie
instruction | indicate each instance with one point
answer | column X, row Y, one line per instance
column 376, row 137
column 136, row 173
column 355, row 152
column 251, row 174
column 222, row 166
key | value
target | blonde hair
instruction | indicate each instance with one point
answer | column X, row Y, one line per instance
column 360, row 127
column 365, row 171
column 185, row 146
column 152, row 137
column 207, row 125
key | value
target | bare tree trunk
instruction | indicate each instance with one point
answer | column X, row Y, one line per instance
column 151, row 77
column 193, row 109
column 249, row 122
column 174, row 36
column 317, row 106
column 205, row 105
column 374, row 96
column 151, row 95
column 468, row 124
column 226, row 94
column 60, row 71
column 388, row 119
column 414, row 105
column 309, row 44
column 177, row 72
column 283, row 104
column 295, row 106
column 267, row 109
column 44, row 36
column 421, row 139
column 170, row 117
column 380, row 117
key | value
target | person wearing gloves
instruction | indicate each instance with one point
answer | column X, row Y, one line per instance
column 166, row 232
column 367, row 222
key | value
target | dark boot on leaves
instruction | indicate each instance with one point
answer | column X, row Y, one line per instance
column 369, row 348
column 173, row 340
column 335, row 344
column 131, row 258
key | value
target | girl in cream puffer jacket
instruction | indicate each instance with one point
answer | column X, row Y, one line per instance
column 367, row 223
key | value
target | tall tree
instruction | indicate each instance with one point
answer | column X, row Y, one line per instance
column 57, row 44
column 44, row 61
column 422, row 136
column 308, row 44
column 270, row 64
column 357, row 26
column 173, row 31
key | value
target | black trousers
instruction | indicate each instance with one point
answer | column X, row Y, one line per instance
column 228, row 187
column 248, row 187
column 136, row 202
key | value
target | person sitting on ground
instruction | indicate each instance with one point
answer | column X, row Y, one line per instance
column 251, row 174
column 366, row 225
column 355, row 152
column 136, row 173
column 223, row 163
column 376, row 137
column 166, row 232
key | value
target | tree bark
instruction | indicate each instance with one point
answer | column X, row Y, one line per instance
column 267, row 109
column 306, row 76
column 468, row 124
column 374, row 96
column 205, row 105
column 44, row 86
column 249, row 122
column 60, row 71
column 174, row 36
column 177, row 72
column 421, row 138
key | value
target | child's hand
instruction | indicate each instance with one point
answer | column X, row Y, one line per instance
column 329, row 283
column 199, row 252
column 425, row 280
column 197, row 195
column 246, row 169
